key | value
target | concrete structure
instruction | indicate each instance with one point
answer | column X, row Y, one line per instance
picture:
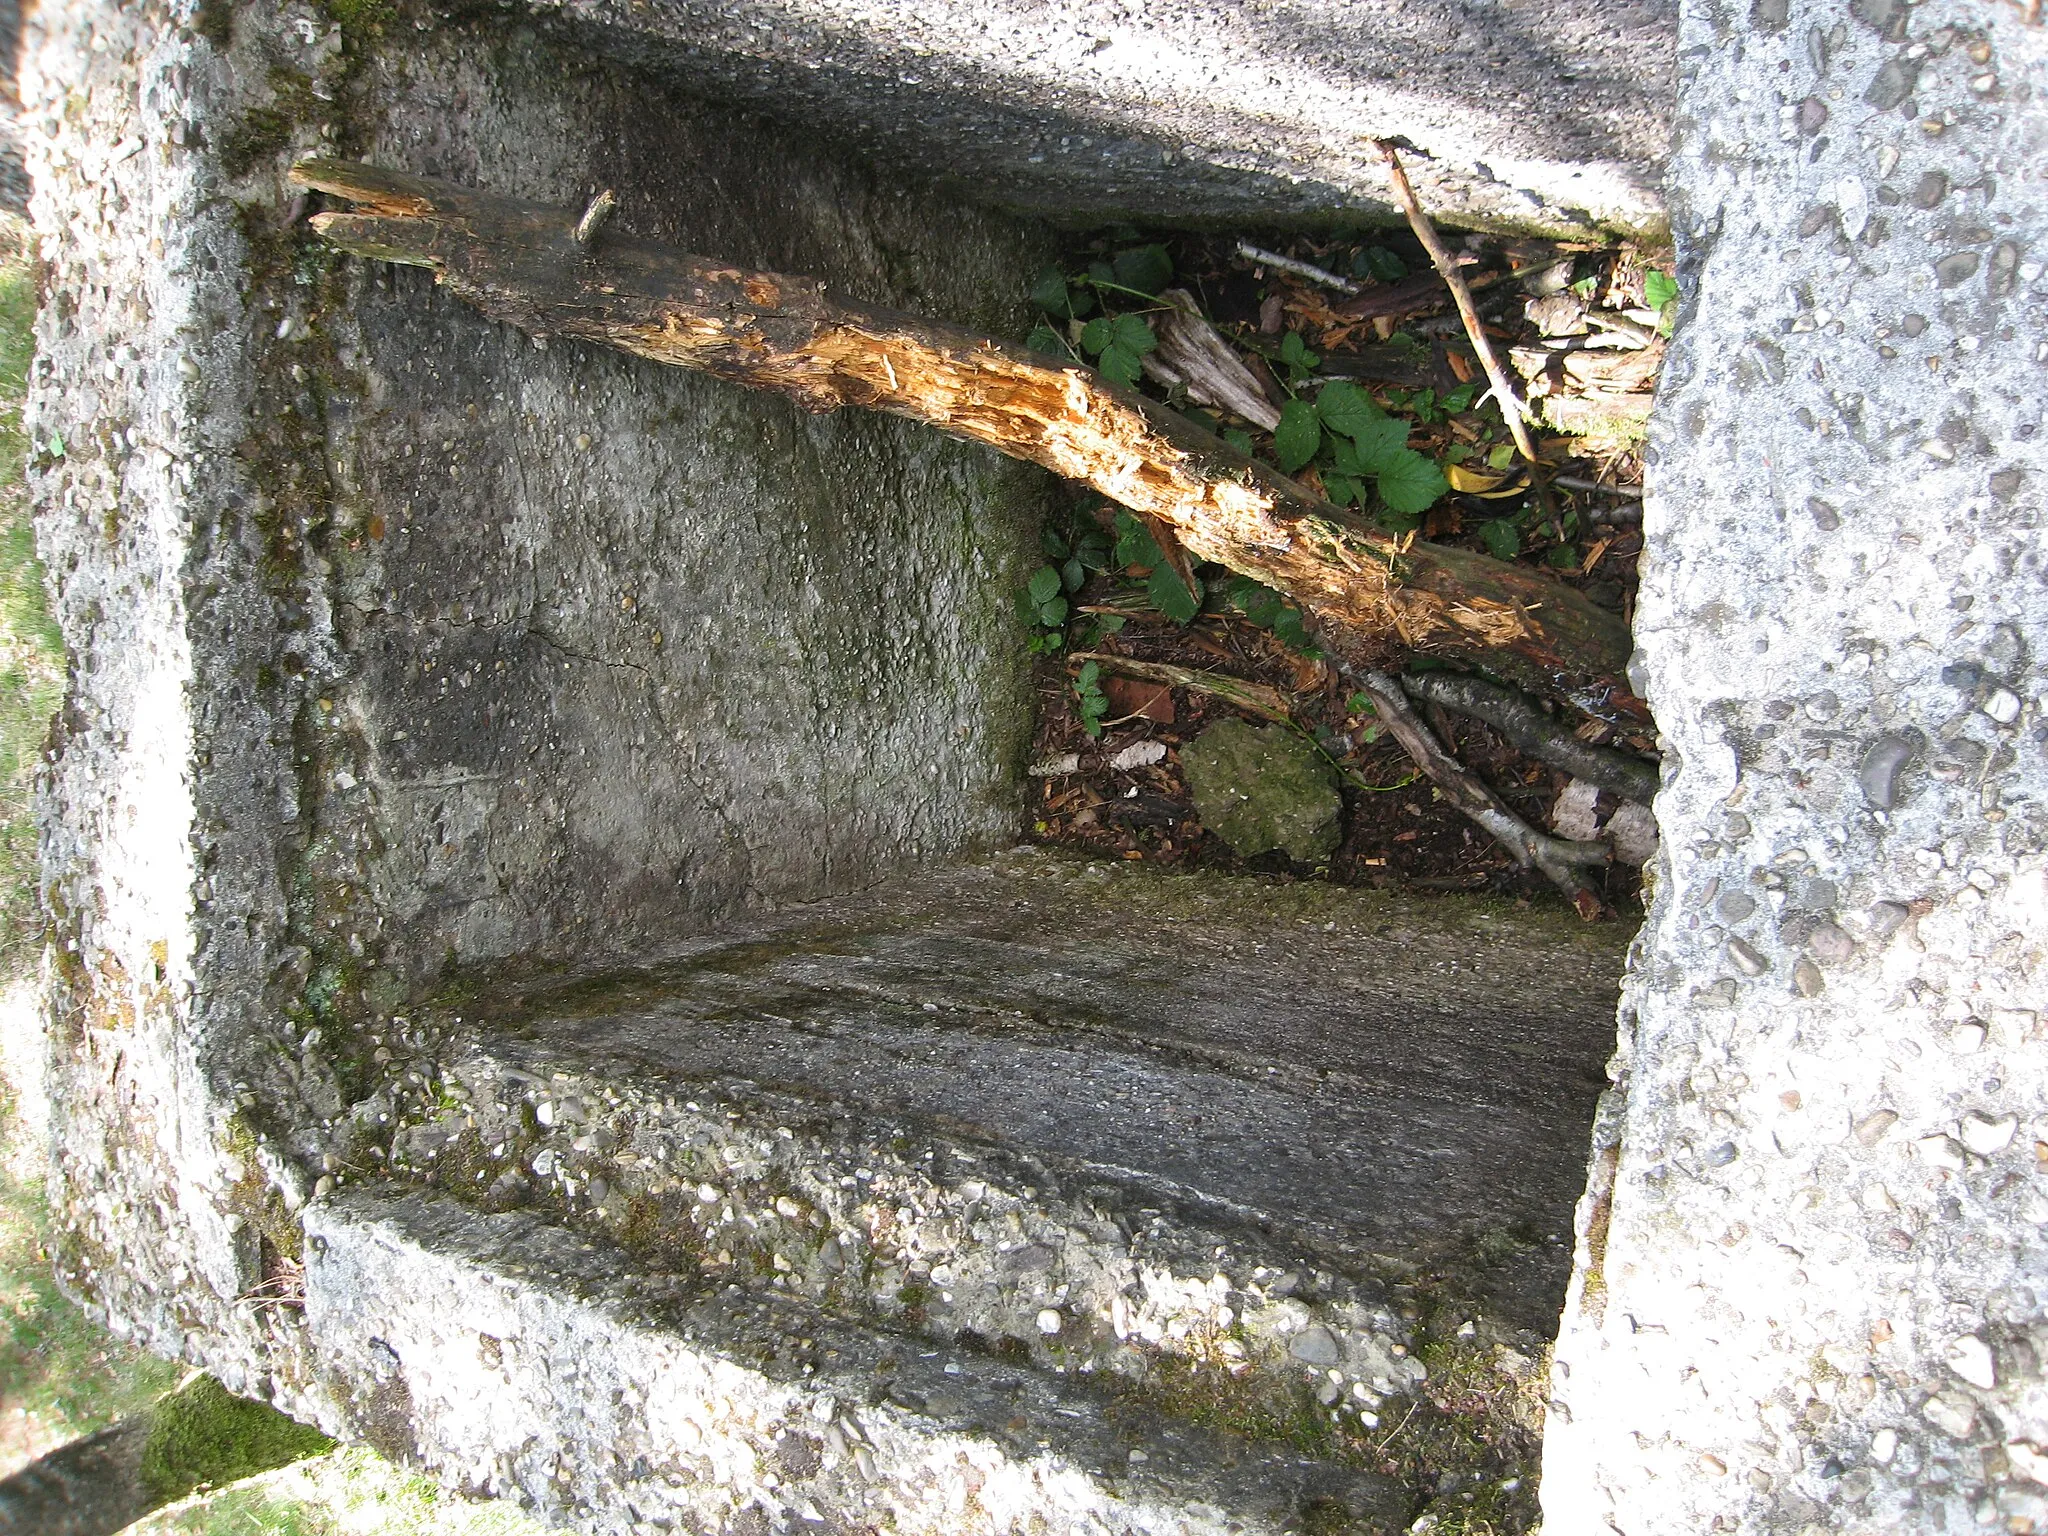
column 455, row 722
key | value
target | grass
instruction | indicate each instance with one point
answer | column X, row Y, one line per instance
column 61, row 1374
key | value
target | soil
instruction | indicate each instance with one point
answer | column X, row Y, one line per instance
column 1397, row 832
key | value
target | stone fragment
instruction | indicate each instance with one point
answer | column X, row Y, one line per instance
column 1260, row 788
column 2027, row 1459
column 1807, row 980
column 1139, row 754
column 1940, row 1151
column 1884, row 1445
column 2003, row 706
column 1879, row 775
column 1970, row 1358
column 1871, row 1129
column 1745, row 958
column 1314, row 1346
column 1829, row 944
column 1633, row 831
column 1053, row 767
column 1734, row 906
column 1049, row 1321
column 1954, row 1416
column 1986, row 1136
column 1967, row 1038
column 1886, row 918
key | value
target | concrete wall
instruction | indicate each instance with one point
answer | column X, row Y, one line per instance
column 398, row 643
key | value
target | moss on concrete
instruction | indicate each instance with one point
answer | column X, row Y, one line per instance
column 202, row 1435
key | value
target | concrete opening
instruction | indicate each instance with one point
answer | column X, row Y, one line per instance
column 604, row 1047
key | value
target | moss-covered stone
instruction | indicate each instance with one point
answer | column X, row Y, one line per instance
column 1264, row 787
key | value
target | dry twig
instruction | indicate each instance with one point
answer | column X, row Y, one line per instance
column 1447, row 267
column 1253, row 698
column 1554, row 857
column 1301, row 269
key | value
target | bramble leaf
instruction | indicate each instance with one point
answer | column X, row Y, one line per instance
column 1409, row 482
column 1503, row 540
column 1146, row 268
column 1171, row 596
column 1298, row 436
column 1346, row 408
column 1381, row 444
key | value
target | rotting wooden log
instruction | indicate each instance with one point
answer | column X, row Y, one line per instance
column 1372, row 595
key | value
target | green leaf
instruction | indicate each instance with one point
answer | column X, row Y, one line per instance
column 1381, row 445
column 1563, row 557
column 1134, row 543
column 1342, row 489
column 1410, row 482
column 1054, row 613
column 1501, row 456
column 1133, row 333
column 1102, row 272
column 1072, row 574
column 1044, row 584
column 1298, row 436
column 1377, row 261
column 1346, row 408
column 1398, row 522
column 1049, row 293
column 1295, row 354
column 1423, row 404
column 1146, row 268
column 1120, row 363
column 1359, row 704
column 1659, row 288
column 1460, row 399
column 1092, row 550
column 1503, row 540
column 1055, row 546
column 1344, row 457
column 1256, row 601
column 1240, row 440
column 1087, row 677
column 1044, row 338
column 1097, row 334
column 1171, row 596
column 1585, row 287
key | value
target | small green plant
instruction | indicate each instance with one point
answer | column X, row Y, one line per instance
column 1660, row 292
column 1119, row 345
column 1135, row 547
column 1090, row 702
column 1262, row 606
column 1296, row 358
column 1046, row 599
column 1353, row 441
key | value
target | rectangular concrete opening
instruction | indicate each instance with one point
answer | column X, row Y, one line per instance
column 616, row 991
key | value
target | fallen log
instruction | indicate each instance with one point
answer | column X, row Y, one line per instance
column 1373, row 595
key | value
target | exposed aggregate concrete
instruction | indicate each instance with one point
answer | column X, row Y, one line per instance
column 1809, row 1290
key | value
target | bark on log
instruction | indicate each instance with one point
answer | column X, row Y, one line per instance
column 199, row 1436
column 1372, row 594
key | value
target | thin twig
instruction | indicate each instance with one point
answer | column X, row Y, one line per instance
column 1253, row 698
column 1302, row 269
column 1447, row 267
column 1574, row 483
column 1555, row 857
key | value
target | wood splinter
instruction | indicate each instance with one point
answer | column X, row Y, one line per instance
column 1373, row 596
column 594, row 216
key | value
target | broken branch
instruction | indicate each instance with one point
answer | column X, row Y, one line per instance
column 1253, row 698
column 1516, row 717
column 1372, row 594
column 1447, row 267
column 1554, row 857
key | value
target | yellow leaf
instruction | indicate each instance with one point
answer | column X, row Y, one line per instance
column 1475, row 482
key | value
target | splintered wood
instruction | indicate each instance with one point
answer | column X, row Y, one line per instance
column 1372, row 595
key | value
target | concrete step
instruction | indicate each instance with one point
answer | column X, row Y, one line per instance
column 1231, row 1153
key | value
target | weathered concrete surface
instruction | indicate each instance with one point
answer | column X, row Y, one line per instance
column 398, row 643
column 1810, row 1290
column 1544, row 115
column 514, row 1359
column 1216, row 1146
